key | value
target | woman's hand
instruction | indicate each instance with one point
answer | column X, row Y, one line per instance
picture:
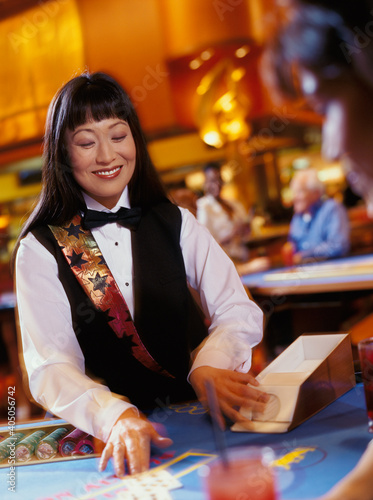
column 231, row 389
column 131, row 438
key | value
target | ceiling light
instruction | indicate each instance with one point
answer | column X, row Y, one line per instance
column 242, row 51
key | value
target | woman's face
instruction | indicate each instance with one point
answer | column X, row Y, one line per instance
column 347, row 135
column 103, row 158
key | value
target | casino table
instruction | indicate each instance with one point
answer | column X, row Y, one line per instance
column 308, row 460
column 313, row 297
column 354, row 273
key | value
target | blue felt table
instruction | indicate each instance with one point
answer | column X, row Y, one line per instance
column 349, row 274
column 309, row 459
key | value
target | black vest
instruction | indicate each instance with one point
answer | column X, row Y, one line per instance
column 166, row 317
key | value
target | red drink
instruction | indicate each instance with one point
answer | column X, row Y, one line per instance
column 287, row 253
column 247, row 477
column 366, row 362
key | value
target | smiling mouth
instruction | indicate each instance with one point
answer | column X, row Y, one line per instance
column 108, row 173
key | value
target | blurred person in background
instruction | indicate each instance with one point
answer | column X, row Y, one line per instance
column 227, row 221
column 328, row 46
column 320, row 227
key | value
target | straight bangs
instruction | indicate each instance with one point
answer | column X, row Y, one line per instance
column 96, row 102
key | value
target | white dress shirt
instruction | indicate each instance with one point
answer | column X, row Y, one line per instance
column 52, row 355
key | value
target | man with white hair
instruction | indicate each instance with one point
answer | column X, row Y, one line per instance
column 320, row 227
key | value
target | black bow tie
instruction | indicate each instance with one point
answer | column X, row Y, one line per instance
column 126, row 217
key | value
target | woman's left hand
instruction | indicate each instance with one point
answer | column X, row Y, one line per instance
column 231, row 389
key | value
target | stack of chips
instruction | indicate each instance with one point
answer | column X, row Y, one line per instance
column 6, row 445
column 48, row 446
column 26, row 447
column 77, row 442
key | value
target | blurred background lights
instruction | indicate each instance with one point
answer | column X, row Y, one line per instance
column 242, row 51
column 237, row 74
column 212, row 138
column 207, row 54
column 195, row 64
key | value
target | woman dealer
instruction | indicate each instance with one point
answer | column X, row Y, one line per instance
column 103, row 266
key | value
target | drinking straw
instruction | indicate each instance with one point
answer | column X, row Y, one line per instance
column 217, row 422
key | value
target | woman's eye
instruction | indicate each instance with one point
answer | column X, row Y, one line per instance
column 118, row 139
column 86, row 144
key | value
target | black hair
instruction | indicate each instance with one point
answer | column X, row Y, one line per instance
column 95, row 97
column 328, row 37
column 212, row 165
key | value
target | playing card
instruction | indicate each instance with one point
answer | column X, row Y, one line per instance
column 152, row 484
column 157, row 494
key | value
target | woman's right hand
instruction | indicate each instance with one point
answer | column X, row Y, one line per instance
column 131, row 438
column 232, row 391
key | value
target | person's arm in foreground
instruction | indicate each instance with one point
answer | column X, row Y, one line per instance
column 55, row 366
column 236, row 323
column 358, row 484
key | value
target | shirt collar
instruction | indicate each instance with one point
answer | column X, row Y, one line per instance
column 312, row 210
column 95, row 205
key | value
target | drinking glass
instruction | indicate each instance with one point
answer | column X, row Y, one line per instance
column 365, row 348
column 247, row 474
